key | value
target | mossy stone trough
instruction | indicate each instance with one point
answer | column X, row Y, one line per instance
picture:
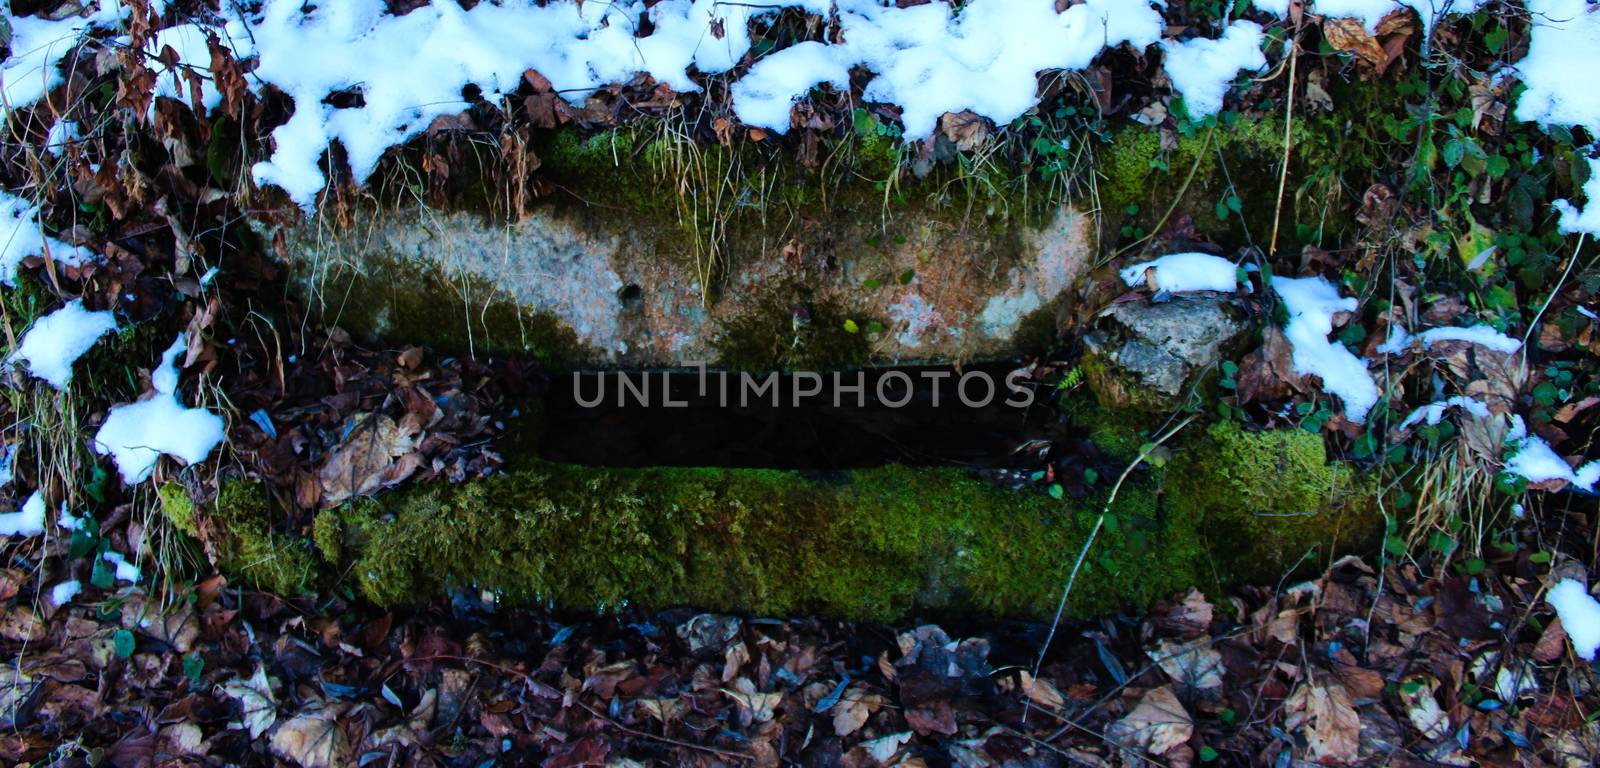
column 1233, row 506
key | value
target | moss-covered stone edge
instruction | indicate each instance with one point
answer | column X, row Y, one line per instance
column 1234, row 506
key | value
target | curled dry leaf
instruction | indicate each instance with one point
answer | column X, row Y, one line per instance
column 378, row 453
column 853, row 709
column 254, row 695
column 313, row 739
column 1157, row 725
column 756, row 705
column 1332, row 725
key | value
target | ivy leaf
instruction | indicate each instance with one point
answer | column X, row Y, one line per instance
column 122, row 643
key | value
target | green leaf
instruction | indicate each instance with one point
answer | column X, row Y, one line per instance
column 1221, row 211
column 871, row 283
column 1090, row 476
column 906, row 276
column 1539, row 558
column 193, row 665
column 122, row 643
column 1234, row 203
column 1394, row 545
column 1207, row 754
column 1056, row 492
column 850, row 326
column 1495, row 39
column 1454, row 150
column 874, row 326
column 1473, row 567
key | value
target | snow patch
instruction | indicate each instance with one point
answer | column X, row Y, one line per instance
column 37, row 47
column 1482, row 335
column 1312, row 303
column 136, row 434
column 1183, row 272
column 28, row 521
column 1580, row 616
column 63, row 593
column 1433, row 413
column 1563, row 52
column 21, row 237
column 1530, row 457
column 125, row 571
column 1202, row 69
column 58, row 339
column 1586, row 220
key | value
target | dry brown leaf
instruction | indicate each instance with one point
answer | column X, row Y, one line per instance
column 378, row 453
column 851, row 711
column 758, row 706
column 965, row 129
column 1422, row 708
column 313, row 739
column 1350, row 36
column 1157, row 725
column 1332, row 725
column 255, row 699
column 1193, row 666
column 1042, row 692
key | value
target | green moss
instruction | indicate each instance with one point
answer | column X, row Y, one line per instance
column 873, row 543
column 880, row 543
column 248, row 550
column 1268, row 498
column 178, row 508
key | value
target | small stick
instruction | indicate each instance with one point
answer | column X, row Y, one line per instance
column 1288, row 125
column 1084, row 552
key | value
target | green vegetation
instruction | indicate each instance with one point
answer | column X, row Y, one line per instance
column 248, row 548
column 879, row 543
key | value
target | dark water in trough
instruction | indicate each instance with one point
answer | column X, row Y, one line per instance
column 926, row 416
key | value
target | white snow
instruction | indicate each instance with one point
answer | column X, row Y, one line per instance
column 1563, row 54
column 1482, row 335
column 1202, row 70
column 410, row 69
column 1183, row 272
column 136, row 434
column 21, row 237
column 1399, row 339
column 1529, row 456
column 58, row 339
column 1434, row 412
column 62, row 593
column 1580, row 616
column 67, row 520
column 28, row 521
column 126, row 571
column 764, row 96
column 1586, row 220
column 1312, row 303
column 37, row 47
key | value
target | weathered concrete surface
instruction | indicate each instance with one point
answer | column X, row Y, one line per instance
column 917, row 288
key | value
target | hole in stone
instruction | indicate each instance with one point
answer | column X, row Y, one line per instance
column 728, row 419
column 630, row 294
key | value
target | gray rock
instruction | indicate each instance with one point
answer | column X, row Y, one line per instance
column 1147, row 354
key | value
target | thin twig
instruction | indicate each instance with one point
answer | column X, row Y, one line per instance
column 1084, row 552
column 1288, row 126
